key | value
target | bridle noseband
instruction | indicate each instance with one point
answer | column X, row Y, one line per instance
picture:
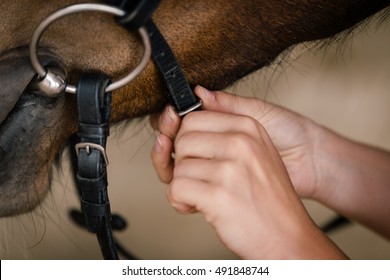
column 94, row 105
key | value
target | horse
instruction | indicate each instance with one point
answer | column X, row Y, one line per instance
column 34, row 129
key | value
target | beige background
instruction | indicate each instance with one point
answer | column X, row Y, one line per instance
column 345, row 87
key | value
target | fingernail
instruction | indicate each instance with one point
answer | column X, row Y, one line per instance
column 171, row 112
column 158, row 144
column 205, row 93
column 168, row 115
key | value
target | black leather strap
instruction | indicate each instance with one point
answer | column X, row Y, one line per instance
column 93, row 106
column 137, row 12
column 179, row 91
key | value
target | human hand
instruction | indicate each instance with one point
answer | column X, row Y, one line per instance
column 227, row 168
column 294, row 136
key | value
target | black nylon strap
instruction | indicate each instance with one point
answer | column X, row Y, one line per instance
column 93, row 106
column 179, row 91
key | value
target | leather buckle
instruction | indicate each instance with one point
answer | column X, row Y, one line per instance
column 190, row 109
column 87, row 146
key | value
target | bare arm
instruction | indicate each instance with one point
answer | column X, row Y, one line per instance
column 354, row 180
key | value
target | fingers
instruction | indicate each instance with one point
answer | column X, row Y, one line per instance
column 215, row 146
column 229, row 103
column 168, row 125
column 169, row 122
column 227, row 168
column 219, row 122
column 187, row 195
column 162, row 159
column 201, row 135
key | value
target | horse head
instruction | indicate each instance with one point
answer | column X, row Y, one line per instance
column 216, row 43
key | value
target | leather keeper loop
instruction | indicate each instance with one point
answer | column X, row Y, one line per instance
column 95, row 209
column 91, row 185
column 95, row 215
column 93, row 131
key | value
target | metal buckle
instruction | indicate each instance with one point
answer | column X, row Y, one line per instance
column 87, row 146
column 192, row 108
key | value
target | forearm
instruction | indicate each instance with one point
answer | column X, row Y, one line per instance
column 354, row 180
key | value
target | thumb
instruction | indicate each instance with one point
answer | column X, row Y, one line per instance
column 221, row 101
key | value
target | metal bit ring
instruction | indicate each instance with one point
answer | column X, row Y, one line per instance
column 42, row 72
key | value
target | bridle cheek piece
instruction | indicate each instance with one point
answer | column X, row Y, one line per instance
column 93, row 92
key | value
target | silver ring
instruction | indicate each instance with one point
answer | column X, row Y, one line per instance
column 41, row 71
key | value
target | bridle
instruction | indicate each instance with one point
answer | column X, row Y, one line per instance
column 93, row 93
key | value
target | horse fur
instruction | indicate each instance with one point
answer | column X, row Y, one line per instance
column 216, row 42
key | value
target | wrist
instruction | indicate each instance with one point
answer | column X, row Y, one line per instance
column 325, row 154
column 336, row 165
column 312, row 243
column 328, row 160
column 353, row 180
column 302, row 241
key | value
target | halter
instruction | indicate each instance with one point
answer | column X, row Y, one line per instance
column 94, row 105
